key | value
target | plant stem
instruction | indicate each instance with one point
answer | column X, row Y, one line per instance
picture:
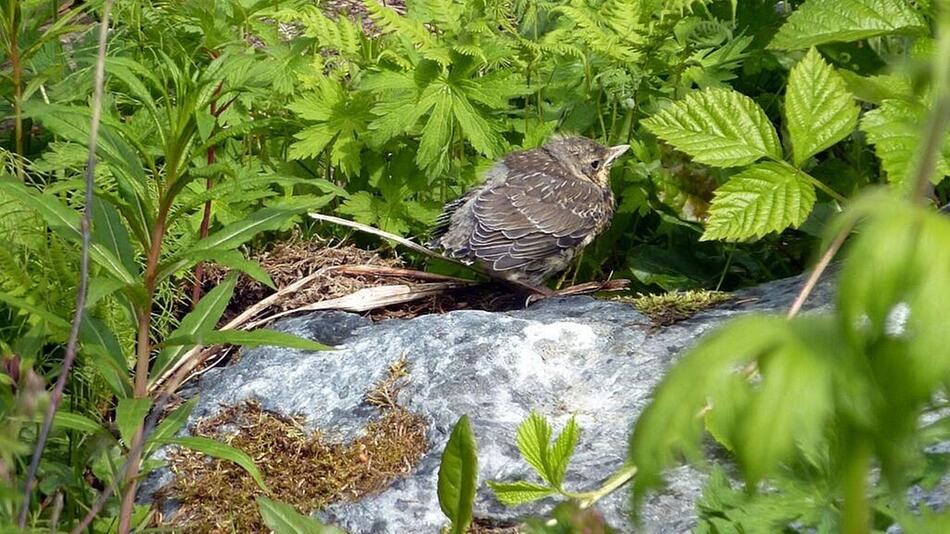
column 143, row 352
column 615, row 482
column 819, row 270
column 86, row 229
column 206, row 216
column 17, row 66
column 814, row 181
column 855, row 516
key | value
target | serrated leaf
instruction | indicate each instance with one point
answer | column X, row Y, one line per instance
column 245, row 338
column 202, row 318
column 520, row 492
column 718, row 127
column 436, row 135
column 562, row 450
column 221, row 451
column 534, row 434
column 129, row 415
column 458, row 476
column 819, row 21
column 767, row 197
column 819, row 110
column 894, row 129
column 284, row 519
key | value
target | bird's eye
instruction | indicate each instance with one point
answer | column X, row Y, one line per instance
column 595, row 164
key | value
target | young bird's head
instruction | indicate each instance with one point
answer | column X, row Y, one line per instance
column 585, row 158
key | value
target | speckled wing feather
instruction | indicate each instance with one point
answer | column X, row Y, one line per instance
column 534, row 216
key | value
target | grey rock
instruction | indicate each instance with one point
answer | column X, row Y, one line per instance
column 597, row 360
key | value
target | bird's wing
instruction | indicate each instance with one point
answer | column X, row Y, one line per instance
column 533, row 216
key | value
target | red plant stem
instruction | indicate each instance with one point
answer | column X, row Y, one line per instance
column 143, row 352
column 206, row 217
column 86, row 229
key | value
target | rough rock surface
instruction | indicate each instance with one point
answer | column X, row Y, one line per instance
column 596, row 359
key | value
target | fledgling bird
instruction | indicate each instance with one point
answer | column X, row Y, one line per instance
column 535, row 211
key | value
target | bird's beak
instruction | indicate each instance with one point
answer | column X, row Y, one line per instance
column 615, row 152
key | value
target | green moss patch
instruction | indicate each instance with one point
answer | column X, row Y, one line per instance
column 301, row 468
column 668, row 308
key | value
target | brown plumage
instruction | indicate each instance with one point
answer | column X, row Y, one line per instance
column 534, row 212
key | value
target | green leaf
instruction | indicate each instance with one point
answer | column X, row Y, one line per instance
column 75, row 421
column 42, row 313
column 129, row 415
column 894, row 129
column 203, row 318
column 718, row 127
column 283, row 519
column 221, row 451
column 792, row 403
column 819, row 111
column 64, row 221
column 768, row 197
column 819, row 21
column 239, row 232
column 437, row 133
column 106, row 354
column 170, row 426
column 108, row 230
column 520, row 492
column 562, row 451
column 246, row 338
column 227, row 258
column 534, row 434
column 670, row 426
column 458, row 476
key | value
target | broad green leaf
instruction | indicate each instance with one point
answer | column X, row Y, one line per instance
column 239, row 232
column 718, row 127
column 768, row 197
column 458, row 476
column 64, row 221
column 246, row 338
column 791, row 405
column 820, row 21
column 670, row 426
column 476, row 128
column 534, row 435
column 42, row 313
column 108, row 231
column 520, row 492
column 436, row 135
column 562, row 451
column 75, row 421
column 819, row 111
column 203, row 318
column 220, row 451
column 170, row 425
column 106, row 355
column 877, row 89
column 283, row 519
column 130, row 415
column 894, row 129
column 227, row 258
